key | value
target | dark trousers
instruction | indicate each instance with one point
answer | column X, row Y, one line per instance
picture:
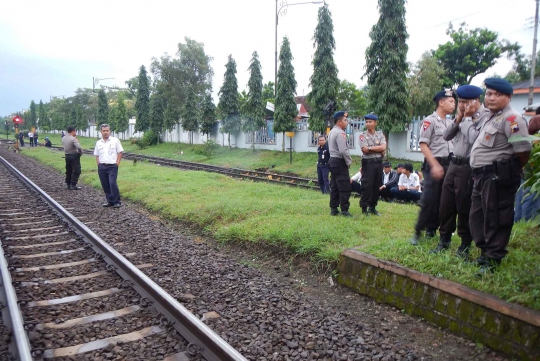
column 322, row 177
column 21, row 140
column 428, row 217
column 456, row 201
column 492, row 214
column 73, row 168
column 386, row 193
column 407, row 195
column 356, row 187
column 35, row 141
column 107, row 175
column 371, row 182
column 340, row 184
column 31, row 141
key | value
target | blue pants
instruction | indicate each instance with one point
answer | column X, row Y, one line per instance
column 411, row 195
column 526, row 208
column 107, row 175
column 322, row 174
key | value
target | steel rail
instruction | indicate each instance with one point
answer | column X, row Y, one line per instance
column 200, row 337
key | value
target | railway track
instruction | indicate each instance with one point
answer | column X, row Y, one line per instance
column 66, row 294
column 259, row 176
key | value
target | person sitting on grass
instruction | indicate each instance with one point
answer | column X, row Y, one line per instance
column 390, row 180
column 47, row 143
column 356, row 184
column 408, row 188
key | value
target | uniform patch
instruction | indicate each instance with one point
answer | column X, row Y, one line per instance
column 514, row 127
column 362, row 138
column 425, row 125
column 344, row 136
column 488, row 137
column 511, row 118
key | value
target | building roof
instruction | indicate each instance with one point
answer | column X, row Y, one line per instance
column 304, row 108
column 522, row 87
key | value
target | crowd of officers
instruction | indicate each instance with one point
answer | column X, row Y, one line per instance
column 472, row 169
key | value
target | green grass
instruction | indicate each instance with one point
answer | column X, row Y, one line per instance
column 298, row 221
column 303, row 165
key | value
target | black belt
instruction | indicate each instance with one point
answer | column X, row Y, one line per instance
column 107, row 163
column 483, row 170
column 457, row 160
column 323, row 163
column 372, row 160
column 441, row 160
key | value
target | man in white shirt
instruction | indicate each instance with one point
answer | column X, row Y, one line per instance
column 356, row 182
column 408, row 188
column 108, row 154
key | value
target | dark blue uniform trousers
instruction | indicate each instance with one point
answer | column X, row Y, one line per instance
column 107, row 175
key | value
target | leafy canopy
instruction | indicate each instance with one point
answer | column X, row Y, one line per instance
column 228, row 99
column 425, row 80
column 142, row 103
column 285, row 110
column 253, row 110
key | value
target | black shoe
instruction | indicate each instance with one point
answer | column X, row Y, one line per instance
column 68, row 186
column 334, row 212
column 415, row 238
column 107, row 205
column 479, row 261
column 365, row 211
column 430, row 234
column 117, row 205
column 346, row 214
column 489, row 265
column 444, row 244
column 74, row 188
column 373, row 211
column 463, row 250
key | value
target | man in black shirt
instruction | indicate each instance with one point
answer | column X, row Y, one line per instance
column 322, row 165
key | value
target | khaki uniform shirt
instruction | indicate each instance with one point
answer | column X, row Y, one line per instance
column 71, row 144
column 459, row 133
column 337, row 143
column 372, row 140
column 495, row 131
column 432, row 132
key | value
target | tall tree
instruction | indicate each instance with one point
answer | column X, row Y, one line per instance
column 190, row 115
column 170, row 117
column 82, row 122
column 32, row 118
column 285, row 110
column 73, row 117
column 112, row 118
column 102, row 116
column 254, row 109
column 426, row 79
column 157, row 109
column 471, row 52
column 324, row 81
column 268, row 95
column 228, row 101
column 521, row 70
column 208, row 115
column 352, row 99
column 44, row 123
column 386, row 67
column 122, row 118
column 142, row 103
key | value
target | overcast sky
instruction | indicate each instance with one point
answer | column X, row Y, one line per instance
column 52, row 47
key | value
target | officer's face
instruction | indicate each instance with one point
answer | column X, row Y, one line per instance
column 496, row 101
column 321, row 142
column 342, row 123
column 448, row 105
column 370, row 124
column 105, row 132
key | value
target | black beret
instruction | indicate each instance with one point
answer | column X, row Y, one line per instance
column 387, row 164
column 446, row 93
column 371, row 116
column 500, row 85
column 469, row 92
column 339, row 114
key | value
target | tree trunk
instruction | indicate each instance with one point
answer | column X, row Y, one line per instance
column 229, row 139
column 283, row 143
column 387, row 136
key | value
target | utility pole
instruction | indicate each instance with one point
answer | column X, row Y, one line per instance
column 533, row 65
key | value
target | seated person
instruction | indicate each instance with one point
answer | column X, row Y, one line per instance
column 47, row 142
column 390, row 180
column 408, row 188
column 356, row 185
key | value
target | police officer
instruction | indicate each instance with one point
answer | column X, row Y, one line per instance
column 436, row 151
column 373, row 145
column 73, row 152
column 322, row 165
column 457, row 185
column 496, row 167
column 340, row 161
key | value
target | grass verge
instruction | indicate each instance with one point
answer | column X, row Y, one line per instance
column 298, row 220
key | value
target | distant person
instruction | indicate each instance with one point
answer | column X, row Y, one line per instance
column 36, row 139
column 340, row 161
column 73, row 152
column 356, row 182
column 47, row 143
column 31, row 138
column 322, row 165
column 63, row 133
column 390, row 180
column 21, row 139
column 408, row 188
column 108, row 152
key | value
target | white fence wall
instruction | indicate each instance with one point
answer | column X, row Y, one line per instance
column 402, row 145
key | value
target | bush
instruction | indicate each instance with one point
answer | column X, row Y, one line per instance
column 208, row 149
column 149, row 138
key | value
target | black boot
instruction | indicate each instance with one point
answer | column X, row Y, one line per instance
column 334, row 212
column 463, row 250
column 365, row 211
column 430, row 233
column 373, row 211
column 346, row 214
column 489, row 265
column 74, row 187
column 415, row 238
column 444, row 244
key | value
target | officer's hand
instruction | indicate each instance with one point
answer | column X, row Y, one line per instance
column 469, row 109
column 365, row 149
column 437, row 172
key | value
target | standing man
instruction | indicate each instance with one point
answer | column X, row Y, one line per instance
column 436, row 151
column 340, row 161
column 108, row 154
column 21, row 138
column 457, row 185
column 390, row 180
column 496, row 167
column 73, row 152
column 373, row 145
column 31, row 138
column 322, row 165
column 36, row 139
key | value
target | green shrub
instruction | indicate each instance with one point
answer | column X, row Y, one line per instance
column 208, row 149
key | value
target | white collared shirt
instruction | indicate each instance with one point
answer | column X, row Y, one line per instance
column 411, row 181
column 107, row 151
column 386, row 177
